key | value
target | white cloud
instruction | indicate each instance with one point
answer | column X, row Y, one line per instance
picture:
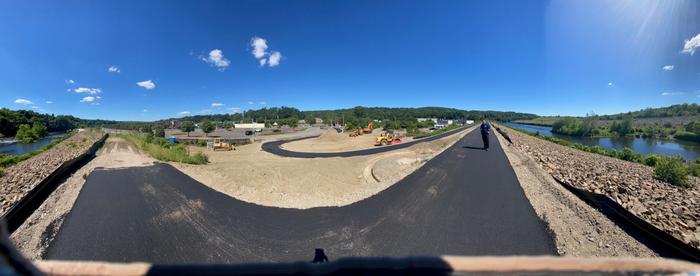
column 216, row 58
column 234, row 109
column 70, row 81
column 671, row 93
column 260, row 52
column 91, row 91
column 667, row 67
column 274, row 59
column 610, row 84
column 145, row 110
column 23, row 101
column 215, row 105
column 262, row 103
column 49, row 102
column 204, row 111
column 184, row 113
column 114, row 69
column 251, row 102
column 259, row 47
column 148, row 84
column 35, row 107
column 88, row 99
column 691, row 44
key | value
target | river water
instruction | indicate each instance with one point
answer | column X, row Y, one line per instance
column 668, row 147
column 13, row 147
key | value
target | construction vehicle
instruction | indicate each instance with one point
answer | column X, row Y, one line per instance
column 355, row 132
column 387, row 138
column 368, row 129
column 218, row 144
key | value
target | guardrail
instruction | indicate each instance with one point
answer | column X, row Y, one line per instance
column 24, row 208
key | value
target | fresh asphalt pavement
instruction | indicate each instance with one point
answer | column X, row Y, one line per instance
column 465, row 201
column 274, row 147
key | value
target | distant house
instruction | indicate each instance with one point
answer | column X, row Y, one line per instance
column 469, row 122
column 434, row 120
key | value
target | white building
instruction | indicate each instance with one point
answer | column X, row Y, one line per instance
column 434, row 120
column 256, row 126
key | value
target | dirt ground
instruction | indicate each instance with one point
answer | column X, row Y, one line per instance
column 35, row 235
column 255, row 176
column 332, row 141
column 578, row 229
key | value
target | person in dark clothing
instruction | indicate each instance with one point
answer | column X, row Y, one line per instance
column 485, row 129
column 319, row 256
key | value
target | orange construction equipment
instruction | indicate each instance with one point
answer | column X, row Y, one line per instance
column 368, row 129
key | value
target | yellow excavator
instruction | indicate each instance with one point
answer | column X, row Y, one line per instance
column 218, row 144
column 387, row 138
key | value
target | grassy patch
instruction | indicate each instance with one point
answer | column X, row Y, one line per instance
column 7, row 160
column 161, row 149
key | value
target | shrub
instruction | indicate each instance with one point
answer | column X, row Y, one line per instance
column 672, row 170
column 694, row 168
column 629, row 155
column 651, row 159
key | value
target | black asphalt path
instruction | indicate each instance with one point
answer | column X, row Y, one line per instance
column 465, row 201
column 274, row 147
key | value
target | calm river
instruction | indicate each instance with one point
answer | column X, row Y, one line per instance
column 668, row 147
column 13, row 147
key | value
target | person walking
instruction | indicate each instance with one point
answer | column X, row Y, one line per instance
column 485, row 129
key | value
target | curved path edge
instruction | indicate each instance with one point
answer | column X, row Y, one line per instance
column 275, row 148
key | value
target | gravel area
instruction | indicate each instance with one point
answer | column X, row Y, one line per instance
column 672, row 209
column 578, row 229
column 23, row 177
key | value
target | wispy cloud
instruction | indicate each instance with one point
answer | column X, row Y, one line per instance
column 251, row 102
column 204, row 111
column 610, row 84
column 671, row 93
column 262, row 103
column 91, row 91
column 234, row 109
column 148, row 84
column 114, row 69
column 216, row 58
column 691, row 44
column 215, row 105
column 23, row 101
column 88, row 99
column 70, row 81
column 668, row 67
column 49, row 102
column 145, row 110
column 182, row 113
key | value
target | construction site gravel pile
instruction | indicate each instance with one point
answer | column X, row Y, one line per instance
column 670, row 208
column 21, row 178
column 333, row 141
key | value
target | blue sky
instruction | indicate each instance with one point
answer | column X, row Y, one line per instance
column 170, row 57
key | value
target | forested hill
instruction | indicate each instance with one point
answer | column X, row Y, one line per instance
column 10, row 121
column 670, row 111
column 359, row 113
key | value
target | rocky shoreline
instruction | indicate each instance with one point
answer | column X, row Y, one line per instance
column 670, row 208
column 21, row 178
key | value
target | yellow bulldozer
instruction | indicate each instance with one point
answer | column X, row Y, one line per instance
column 387, row 138
column 218, row 144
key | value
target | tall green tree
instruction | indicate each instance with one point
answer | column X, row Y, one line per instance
column 208, row 127
column 187, row 126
